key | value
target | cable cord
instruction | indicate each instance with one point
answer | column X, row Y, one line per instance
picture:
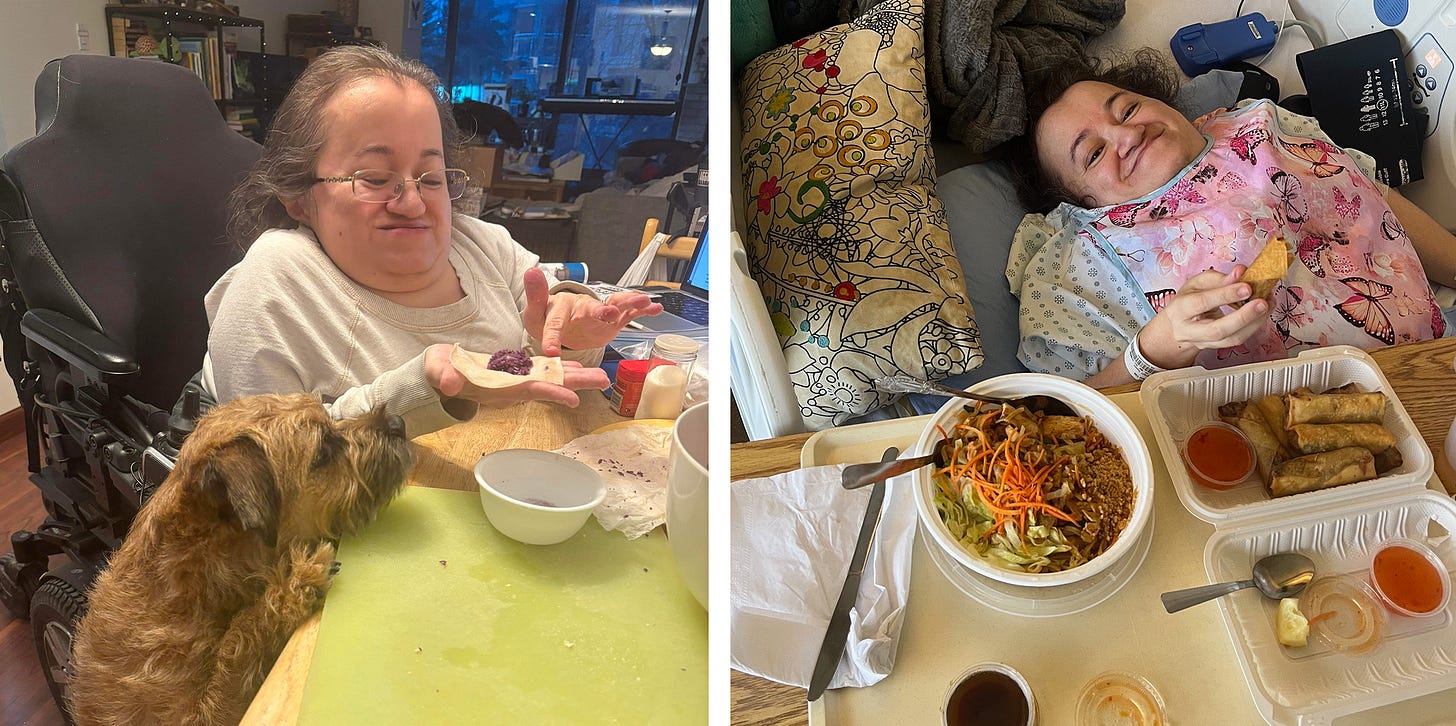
column 1309, row 29
column 1282, row 21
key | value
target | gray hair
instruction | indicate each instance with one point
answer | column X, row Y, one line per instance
column 296, row 137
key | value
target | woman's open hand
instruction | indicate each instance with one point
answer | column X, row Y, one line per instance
column 451, row 382
column 1194, row 320
column 575, row 321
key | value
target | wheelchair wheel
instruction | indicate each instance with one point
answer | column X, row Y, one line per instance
column 54, row 613
column 13, row 591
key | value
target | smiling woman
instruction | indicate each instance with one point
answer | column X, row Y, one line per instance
column 359, row 279
column 1107, row 144
column 1139, row 264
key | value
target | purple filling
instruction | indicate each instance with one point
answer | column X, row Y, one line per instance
column 515, row 362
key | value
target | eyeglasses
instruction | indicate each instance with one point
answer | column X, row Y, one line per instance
column 382, row 186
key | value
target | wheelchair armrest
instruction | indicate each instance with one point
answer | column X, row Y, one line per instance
column 79, row 345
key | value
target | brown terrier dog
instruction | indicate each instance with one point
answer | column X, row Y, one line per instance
column 229, row 556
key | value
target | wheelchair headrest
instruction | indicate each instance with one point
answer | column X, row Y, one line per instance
column 127, row 182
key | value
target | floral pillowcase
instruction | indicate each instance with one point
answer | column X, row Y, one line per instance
column 845, row 235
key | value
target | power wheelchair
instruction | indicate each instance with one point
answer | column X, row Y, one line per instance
column 112, row 227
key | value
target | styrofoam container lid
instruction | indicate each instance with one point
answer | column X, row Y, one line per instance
column 1178, row 402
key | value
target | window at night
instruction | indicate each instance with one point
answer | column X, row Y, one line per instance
column 576, row 75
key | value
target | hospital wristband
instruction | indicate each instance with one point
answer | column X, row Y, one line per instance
column 1138, row 364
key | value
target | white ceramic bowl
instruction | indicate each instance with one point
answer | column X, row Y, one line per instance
column 537, row 497
column 1110, row 420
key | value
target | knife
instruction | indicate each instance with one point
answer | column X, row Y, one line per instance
column 836, row 637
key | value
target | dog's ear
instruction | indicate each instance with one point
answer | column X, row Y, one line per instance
column 238, row 478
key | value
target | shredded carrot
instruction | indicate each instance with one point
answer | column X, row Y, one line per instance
column 1321, row 616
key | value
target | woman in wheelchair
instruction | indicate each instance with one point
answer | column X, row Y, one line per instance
column 1152, row 220
column 358, row 279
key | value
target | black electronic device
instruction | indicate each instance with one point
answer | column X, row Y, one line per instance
column 1358, row 90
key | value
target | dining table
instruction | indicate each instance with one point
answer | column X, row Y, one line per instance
column 444, row 460
column 1421, row 374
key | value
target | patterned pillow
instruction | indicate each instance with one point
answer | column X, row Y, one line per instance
column 846, row 237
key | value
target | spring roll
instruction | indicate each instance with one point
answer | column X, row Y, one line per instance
column 1314, row 438
column 1388, row 460
column 1247, row 419
column 1321, row 471
column 1273, row 410
column 1335, row 408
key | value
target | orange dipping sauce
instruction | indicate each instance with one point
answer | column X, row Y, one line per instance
column 1218, row 456
column 1408, row 580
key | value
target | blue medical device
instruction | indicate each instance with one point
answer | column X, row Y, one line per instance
column 1200, row 48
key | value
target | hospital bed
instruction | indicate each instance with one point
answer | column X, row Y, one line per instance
column 982, row 212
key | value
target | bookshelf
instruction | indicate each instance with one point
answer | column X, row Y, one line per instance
column 309, row 33
column 228, row 53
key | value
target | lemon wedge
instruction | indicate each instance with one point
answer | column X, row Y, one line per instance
column 1290, row 625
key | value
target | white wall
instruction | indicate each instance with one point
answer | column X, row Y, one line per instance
column 32, row 33
column 384, row 17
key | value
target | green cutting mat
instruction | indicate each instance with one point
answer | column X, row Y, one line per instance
column 436, row 618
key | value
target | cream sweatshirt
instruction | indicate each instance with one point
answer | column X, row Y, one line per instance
column 286, row 319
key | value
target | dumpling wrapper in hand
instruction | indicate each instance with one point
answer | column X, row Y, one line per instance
column 476, row 368
column 1265, row 272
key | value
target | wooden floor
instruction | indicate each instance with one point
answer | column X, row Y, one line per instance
column 24, row 699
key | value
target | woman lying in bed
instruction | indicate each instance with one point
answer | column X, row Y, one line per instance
column 1153, row 220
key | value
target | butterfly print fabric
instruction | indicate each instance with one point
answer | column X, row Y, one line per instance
column 1258, row 180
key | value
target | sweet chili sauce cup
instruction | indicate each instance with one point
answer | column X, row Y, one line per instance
column 1409, row 578
column 1218, row 456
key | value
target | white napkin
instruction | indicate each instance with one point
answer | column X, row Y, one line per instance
column 792, row 538
column 633, row 463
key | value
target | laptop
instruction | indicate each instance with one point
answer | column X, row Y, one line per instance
column 688, row 307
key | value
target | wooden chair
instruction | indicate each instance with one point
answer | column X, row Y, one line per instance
column 678, row 249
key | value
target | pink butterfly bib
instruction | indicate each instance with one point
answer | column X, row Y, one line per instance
column 1356, row 281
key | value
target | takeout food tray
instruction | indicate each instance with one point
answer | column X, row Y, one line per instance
column 1339, row 528
column 1314, row 684
column 946, row 631
column 1178, row 402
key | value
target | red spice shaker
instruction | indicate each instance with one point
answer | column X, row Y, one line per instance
column 627, row 388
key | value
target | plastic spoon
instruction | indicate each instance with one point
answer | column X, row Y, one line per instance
column 1277, row 576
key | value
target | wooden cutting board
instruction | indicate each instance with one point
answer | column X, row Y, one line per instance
column 436, row 618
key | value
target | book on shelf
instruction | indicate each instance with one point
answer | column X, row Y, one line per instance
column 247, row 73
column 124, row 35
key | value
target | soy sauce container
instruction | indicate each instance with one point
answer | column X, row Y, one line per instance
column 989, row 694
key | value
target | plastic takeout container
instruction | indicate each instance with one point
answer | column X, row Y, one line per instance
column 1404, row 603
column 1179, row 402
column 1116, row 698
column 1211, row 468
column 1338, row 528
column 1347, row 614
column 988, row 686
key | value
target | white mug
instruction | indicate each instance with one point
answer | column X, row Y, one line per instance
column 687, row 499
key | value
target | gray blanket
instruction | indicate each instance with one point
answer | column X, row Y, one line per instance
column 978, row 53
